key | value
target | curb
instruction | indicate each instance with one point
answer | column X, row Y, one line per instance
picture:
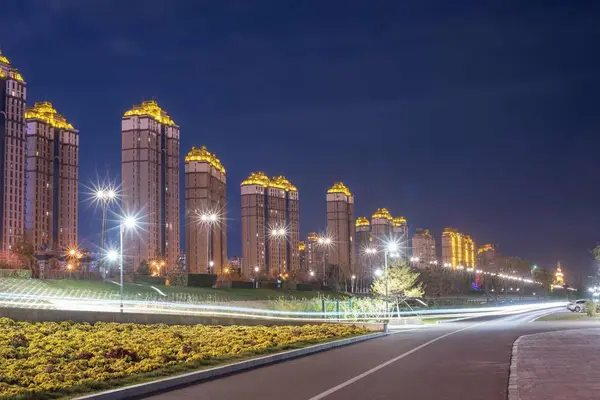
column 143, row 389
column 513, row 389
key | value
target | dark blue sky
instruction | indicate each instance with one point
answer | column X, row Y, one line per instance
column 479, row 115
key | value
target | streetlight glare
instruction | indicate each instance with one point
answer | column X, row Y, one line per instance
column 274, row 232
column 378, row 272
column 112, row 255
column 392, row 247
column 100, row 194
column 129, row 222
column 256, row 269
column 213, row 217
column 111, row 194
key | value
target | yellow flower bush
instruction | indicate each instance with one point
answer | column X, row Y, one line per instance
column 45, row 359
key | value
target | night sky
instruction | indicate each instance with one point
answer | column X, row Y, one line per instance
column 483, row 118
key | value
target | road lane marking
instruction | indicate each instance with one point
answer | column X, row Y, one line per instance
column 543, row 315
column 393, row 360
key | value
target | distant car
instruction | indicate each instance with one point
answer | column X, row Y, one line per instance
column 576, row 306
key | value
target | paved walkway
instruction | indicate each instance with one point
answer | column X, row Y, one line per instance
column 556, row 366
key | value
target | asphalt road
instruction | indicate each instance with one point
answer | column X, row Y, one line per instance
column 455, row 361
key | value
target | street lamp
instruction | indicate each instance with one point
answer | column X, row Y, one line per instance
column 209, row 219
column 353, row 277
column 127, row 222
column 277, row 235
column 105, row 196
column 391, row 247
column 256, row 269
column 370, row 252
column 324, row 242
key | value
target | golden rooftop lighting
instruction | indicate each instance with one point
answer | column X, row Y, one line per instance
column 339, row 187
column 202, row 154
column 17, row 76
column 313, row 236
column 399, row 221
column 362, row 221
column 151, row 109
column 44, row 112
column 486, row 247
column 280, row 182
column 3, row 59
column 382, row 213
column 257, row 178
column 301, row 246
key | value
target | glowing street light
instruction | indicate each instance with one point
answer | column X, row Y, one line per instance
column 209, row 219
column 105, row 195
column 324, row 242
column 278, row 234
column 127, row 222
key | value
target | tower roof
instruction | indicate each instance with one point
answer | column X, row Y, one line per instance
column 45, row 112
column 339, row 187
column 151, row 109
column 399, row 221
column 3, row 58
column 257, row 178
column 486, row 247
column 362, row 221
column 201, row 154
column 281, row 182
column 382, row 213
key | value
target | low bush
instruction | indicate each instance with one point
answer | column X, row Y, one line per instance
column 590, row 308
column 202, row 280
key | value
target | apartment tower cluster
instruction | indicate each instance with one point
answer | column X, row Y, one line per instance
column 39, row 170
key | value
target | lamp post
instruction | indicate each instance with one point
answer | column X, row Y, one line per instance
column 256, row 269
column 128, row 222
column 208, row 219
column 370, row 252
column 324, row 242
column 353, row 281
column 277, row 235
column 105, row 195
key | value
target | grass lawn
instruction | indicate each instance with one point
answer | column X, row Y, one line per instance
column 133, row 291
column 568, row 317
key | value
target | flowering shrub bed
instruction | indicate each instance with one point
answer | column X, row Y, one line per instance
column 48, row 360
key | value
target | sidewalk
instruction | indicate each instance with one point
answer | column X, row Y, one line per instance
column 556, row 366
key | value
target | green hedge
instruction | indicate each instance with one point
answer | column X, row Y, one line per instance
column 242, row 285
column 150, row 280
column 15, row 273
column 202, row 280
column 304, row 287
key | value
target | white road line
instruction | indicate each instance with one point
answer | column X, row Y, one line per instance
column 393, row 360
column 543, row 315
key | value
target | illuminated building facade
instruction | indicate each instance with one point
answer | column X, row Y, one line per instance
column 486, row 257
column 302, row 257
column 51, row 172
column 458, row 249
column 270, row 204
column 381, row 226
column 314, row 253
column 340, row 226
column 423, row 247
column 13, row 95
column 559, row 277
column 205, row 194
column 150, row 184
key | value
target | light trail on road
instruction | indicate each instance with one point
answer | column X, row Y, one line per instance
column 91, row 304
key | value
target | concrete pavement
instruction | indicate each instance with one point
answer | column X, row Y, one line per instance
column 462, row 361
column 562, row 365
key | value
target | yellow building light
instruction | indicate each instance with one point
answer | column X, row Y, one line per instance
column 362, row 221
column 43, row 111
column 399, row 222
column 3, row 59
column 150, row 109
column 486, row 247
column 204, row 155
column 280, row 182
column 339, row 187
column 301, row 246
column 382, row 213
column 257, row 178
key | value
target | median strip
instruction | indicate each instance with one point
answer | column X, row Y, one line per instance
column 212, row 373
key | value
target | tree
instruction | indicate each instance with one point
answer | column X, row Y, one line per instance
column 143, row 268
column 545, row 277
column 25, row 251
column 402, row 282
column 436, row 281
column 596, row 254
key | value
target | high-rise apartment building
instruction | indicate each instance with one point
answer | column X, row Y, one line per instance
column 314, row 253
column 363, row 235
column 205, row 197
column 340, row 226
column 13, row 95
column 423, row 247
column 458, row 249
column 486, row 257
column 52, row 179
column 381, row 226
column 400, row 235
column 270, row 225
column 150, row 186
